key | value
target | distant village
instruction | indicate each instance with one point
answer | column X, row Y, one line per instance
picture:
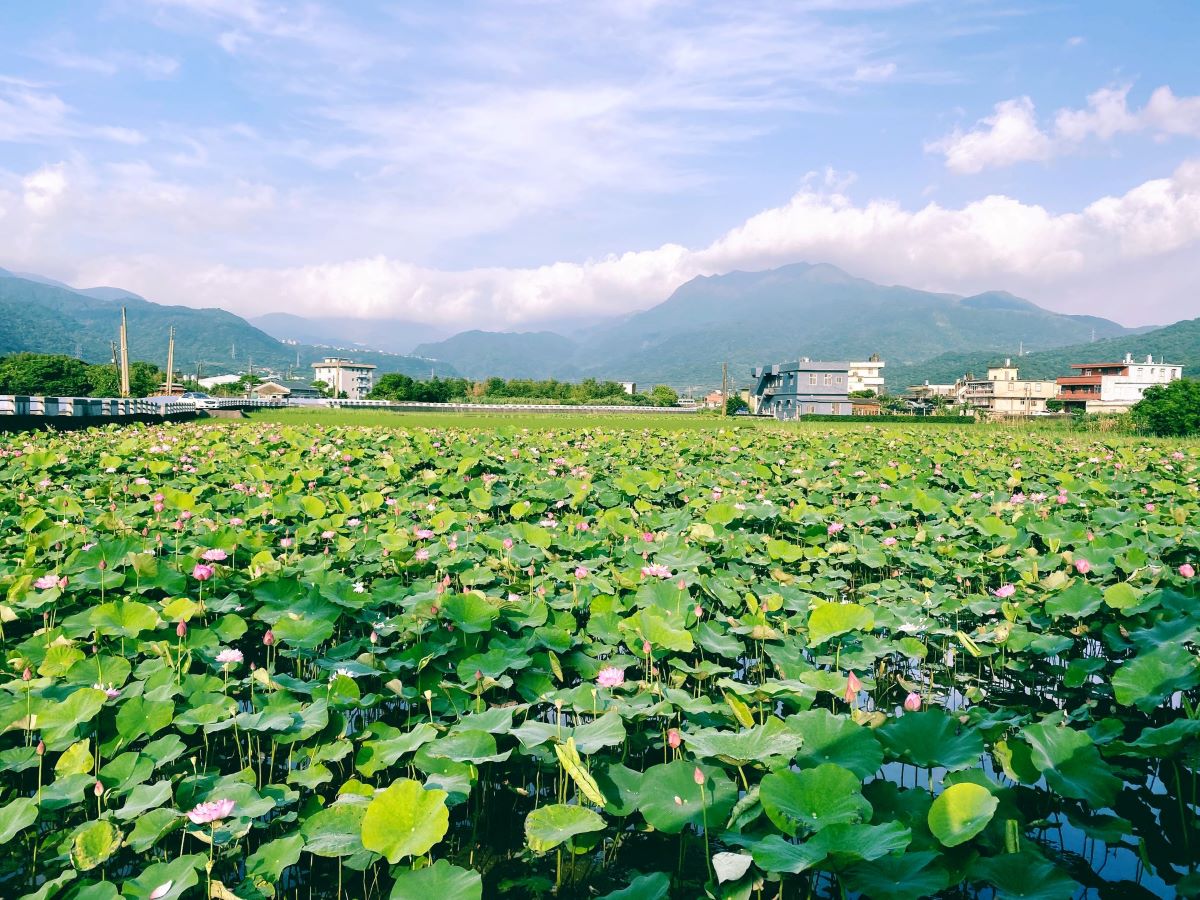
column 804, row 387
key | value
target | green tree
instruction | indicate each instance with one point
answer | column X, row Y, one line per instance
column 1169, row 410
column 44, row 374
column 661, row 395
column 144, row 379
column 735, row 405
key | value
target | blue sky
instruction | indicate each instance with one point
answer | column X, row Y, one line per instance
column 506, row 164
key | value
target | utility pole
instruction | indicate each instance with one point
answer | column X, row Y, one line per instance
column 171, row 362
column 724, row 388
column 124, row 355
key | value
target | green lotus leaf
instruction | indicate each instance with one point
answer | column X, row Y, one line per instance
column 670, row 799
column 152, row 826
column 16, row 816
column 441, row 880
column 470, row 612
column 335, row 830
column 144, row 797
column 830, row 620
column 405, row 820
column 898, row 877
column 1148, row 680
column 812, row 799
column 960, row 812
column 772, row 738
column 123, row 618
column 827, row 738
column 1071, row 763
column 269, row 860
column 931, row 738
column 548, row 826
column 1024, row 876
column 94, row 843
column 655, row 886
column 776, row 854
column 181, row 873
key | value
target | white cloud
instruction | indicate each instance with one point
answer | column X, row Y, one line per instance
column 44, row 189
column 1010, row 135
column 1013, row 135
column 995, row 242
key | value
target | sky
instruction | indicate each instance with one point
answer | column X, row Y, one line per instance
column 507, row 164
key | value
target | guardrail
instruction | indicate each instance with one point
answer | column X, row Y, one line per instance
column 500, row 407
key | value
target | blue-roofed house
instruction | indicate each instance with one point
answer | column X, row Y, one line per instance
column 792, row 390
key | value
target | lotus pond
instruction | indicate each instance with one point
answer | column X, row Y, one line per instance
column 272, row 660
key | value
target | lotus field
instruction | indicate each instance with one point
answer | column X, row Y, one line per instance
column 263, row 660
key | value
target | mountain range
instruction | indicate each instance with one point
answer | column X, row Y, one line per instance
column 744, row 319
column 40, row 315
column 748, row 319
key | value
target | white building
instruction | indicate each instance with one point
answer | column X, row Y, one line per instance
column 1113, row 387
column 866, row 376
column 1002, row 393
column 209, row 383
column 629, row 387
column 344, row 376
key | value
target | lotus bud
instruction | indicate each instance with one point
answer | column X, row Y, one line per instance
column 98, row 789
column 27, row 674
column 674, row 739
column 912, row 702
column 698, row 776
column 41, row 748
column 181, row 629
column 102, row 565
column 646, row 648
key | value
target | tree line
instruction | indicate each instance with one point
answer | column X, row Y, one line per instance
column 52, row 375
column 395, row 386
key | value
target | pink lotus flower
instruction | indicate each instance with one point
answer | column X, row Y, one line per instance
column 656, row 571
column 853, row 686
column 162, row 890
column 674, row 739
column 201, row 572
column 698, row 776
column 212, row 811
column 229, row 656
column 109, row 691
column 423, row 534
column 421, row 555
column 610, row 676
column 889, row 542
column 1149, row 507
column 215, row 555
column 269, row 638
column 581, row 572
column 1082, row 566
column 286, row 542
column 508, row 543
column 834, row 528
column 912, row 702
column 1187, row 571
column 46, row 582
column 1004, row 591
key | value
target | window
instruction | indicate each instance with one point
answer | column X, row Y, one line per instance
column 838, row 379
column 812, row 377
column 828, row 379
column 812, row 408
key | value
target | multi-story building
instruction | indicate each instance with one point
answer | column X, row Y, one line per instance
column 344, row 376
column 1002, row 393
column 795, row 389
column 866, row 376
column 1113, row 387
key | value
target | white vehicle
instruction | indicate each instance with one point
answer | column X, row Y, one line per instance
column 201, row 399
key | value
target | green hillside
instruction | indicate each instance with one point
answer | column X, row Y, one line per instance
column 753, row 318
column 483, row 354
column 42, row 317
column 1178, row 344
